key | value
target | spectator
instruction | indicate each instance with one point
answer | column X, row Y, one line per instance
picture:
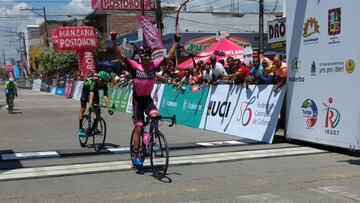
column 240, row 74
column 280, row 72
column 231, row 68
column 267, row 76
column 256, row 69
column 207, row 74
column 218, row 69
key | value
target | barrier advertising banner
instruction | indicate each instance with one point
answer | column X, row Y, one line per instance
column 36, row 86
column 60, row 87
column 157, row 93
column 250, row 113
column 188, row 106
column 323, row 76
column 119, row 96
column 78, row 85
column 68, row 88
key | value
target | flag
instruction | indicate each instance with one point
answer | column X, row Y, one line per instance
column 152, row 36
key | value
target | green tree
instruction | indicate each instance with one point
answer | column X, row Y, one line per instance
column 55, row 63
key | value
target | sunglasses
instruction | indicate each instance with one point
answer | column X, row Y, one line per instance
column 146, row 55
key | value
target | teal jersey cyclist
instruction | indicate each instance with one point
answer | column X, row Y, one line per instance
column 90, row 94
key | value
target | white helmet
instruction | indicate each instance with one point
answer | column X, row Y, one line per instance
column 11, row 79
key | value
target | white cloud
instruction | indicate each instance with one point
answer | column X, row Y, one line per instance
column 78, row 7
column 225, row 5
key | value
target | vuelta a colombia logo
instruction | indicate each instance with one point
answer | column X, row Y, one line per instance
column 332, row 115
column 246, row 112
column 310, row 112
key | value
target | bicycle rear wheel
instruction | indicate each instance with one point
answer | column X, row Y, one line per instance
column 159, row 155
column 87, row 126
column 99, row 134
column 11, row 105
column 132, row 148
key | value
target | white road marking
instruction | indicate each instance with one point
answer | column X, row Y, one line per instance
column 217, row 143
column 72, row 169
column 29, row 155
column 338, row 191
column 264, row 197
column 119, row 149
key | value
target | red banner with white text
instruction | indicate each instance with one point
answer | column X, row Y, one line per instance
column 122, row 4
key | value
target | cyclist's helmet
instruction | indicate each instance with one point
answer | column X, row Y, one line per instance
column 145, row 51
column 102, row 75
column 11, row 79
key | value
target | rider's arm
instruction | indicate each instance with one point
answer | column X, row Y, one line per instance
column 115, row 48
column 91, row 97
column 173, row 47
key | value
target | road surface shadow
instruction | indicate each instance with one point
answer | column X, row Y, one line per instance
column 7, row 162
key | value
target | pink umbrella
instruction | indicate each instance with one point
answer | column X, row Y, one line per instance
column 221, row 49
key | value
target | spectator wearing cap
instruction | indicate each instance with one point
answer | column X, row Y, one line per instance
column 218, row 69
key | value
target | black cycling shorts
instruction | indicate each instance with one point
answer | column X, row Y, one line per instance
column 141, row 105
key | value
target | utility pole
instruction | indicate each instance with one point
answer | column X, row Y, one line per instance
column 46, row 30
column 45, row 22
column 25, row 52
column 20, row 45
column 261, row 26
column 159, row 23
column 4, row 58
column 143, row 14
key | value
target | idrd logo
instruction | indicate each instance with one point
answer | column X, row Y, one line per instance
column 220, row 108
column 246, row 112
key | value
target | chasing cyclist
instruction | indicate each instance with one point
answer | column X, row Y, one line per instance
column 90, row 94
column 143, row 76
column 10, row 91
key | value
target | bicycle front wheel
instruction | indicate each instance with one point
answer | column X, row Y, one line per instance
column 86, row 125
column 159, row 155
column 99, row 134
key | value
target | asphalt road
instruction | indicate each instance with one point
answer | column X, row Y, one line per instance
column 235, row 171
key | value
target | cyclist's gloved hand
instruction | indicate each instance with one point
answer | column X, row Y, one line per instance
column 111, row 109
column 177, row 38
column 113, row 35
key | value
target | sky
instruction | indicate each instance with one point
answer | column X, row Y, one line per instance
column 13, row 20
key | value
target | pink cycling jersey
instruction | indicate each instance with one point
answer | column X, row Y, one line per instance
column 144, row 80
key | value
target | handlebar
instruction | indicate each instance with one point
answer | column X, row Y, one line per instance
column 172, row 118
column 160, row 117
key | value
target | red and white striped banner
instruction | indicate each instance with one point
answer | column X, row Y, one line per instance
column 151, row 34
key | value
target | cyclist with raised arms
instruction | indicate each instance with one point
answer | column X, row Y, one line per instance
column 90, row 94
column 143, row 76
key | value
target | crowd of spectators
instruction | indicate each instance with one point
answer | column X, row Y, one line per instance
column 261, row 70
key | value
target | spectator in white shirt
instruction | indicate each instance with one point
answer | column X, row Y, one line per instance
column 218, row 69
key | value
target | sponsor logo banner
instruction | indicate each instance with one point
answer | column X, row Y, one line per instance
column 188, row 106
column 251, row 113
column 78, row 85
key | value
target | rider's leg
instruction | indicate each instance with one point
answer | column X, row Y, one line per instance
column 81, row 116
column 7, row 100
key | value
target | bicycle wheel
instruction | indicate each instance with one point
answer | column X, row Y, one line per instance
column 99, row 134
column 11, row 105
column 132, row 148
column 86, row 124
column 159, row 155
